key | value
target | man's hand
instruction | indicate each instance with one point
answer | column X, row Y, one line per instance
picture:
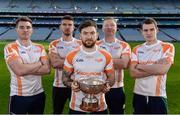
column 54, row 55
column 75, row 86
column 56, row 61
column 162, row 61
column 106, row 88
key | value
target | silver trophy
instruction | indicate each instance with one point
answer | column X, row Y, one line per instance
column 90, row 87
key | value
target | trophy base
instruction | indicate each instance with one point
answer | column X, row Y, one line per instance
column 90, row 107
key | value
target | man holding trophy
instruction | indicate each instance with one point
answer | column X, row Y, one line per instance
column 84, row 70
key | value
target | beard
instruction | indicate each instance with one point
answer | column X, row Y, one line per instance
column 88, row 43
column 67, row 33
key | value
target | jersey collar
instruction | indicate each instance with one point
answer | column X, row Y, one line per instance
column 89, row 53
column 111, row 43
column 67, row 41
column 24, row 47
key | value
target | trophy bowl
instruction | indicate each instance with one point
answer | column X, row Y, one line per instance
column 90, row 87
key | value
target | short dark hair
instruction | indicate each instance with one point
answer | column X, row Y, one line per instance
column 67, row 17
column 87, row 23
column 149, row 21
column 23, row 18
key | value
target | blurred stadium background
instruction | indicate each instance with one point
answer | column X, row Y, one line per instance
column 46, row 16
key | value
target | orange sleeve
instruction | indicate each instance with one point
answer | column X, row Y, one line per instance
column 43, row 52
column 168, row 50
column 126, row 49
column 134, row 58
column 68, row 63
column 109, row 62
column 11, row 52
column 53, row 45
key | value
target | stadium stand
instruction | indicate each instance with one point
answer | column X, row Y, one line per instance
column 131, row 34
column 40, row 33
column 174, row 33
column 55, row 34
column 8, row 34
column 46, row 17
column 129, row 6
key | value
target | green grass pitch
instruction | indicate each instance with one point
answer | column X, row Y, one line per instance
column 173, row 85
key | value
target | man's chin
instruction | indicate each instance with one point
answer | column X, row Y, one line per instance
column 25, row 38
column 149, row 39
column 67, row 34
column 89, row 45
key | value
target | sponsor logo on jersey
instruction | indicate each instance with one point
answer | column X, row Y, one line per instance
column 79, row 60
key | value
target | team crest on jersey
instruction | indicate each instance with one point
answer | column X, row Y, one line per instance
column 99, row 60
column 37, row 51
column 79, row 60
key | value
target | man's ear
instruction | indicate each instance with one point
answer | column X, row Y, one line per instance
column 16, row 29
column 157, row 29
column 80, row 36
column 60, row 26
column 97, row 35
column 141, row 30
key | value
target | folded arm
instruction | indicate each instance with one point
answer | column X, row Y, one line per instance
column 44, row 69
column 137, row 73
column 161, row 67
column 122, row 62
column 21, row 69
column 56, row 60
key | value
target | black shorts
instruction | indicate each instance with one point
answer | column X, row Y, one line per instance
column 27, row 104
column 115, row 100
column 149, row 104
column 60, row 96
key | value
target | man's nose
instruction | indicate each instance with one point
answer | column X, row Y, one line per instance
column 25, row 29
column 148, row 32
column 89, row 36
column 108, row 27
